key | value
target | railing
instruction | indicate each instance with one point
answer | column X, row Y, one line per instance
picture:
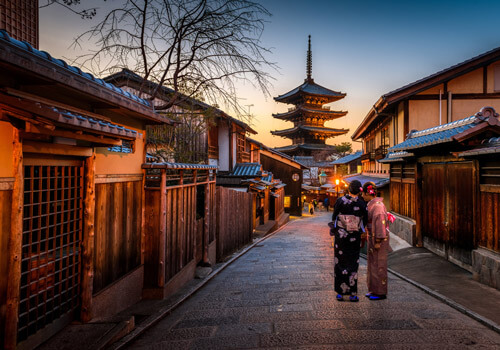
column 368, row 156
column 243, row 157
column 380, row 152
column 213, row 152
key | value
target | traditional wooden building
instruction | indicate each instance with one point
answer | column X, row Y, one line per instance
column 350, row 164
column 446, row 179
column 309, row 133
column 206, row 134
column 71, row 194
column 438, row 99
column 285, row 168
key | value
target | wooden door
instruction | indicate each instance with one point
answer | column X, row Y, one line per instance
column 460, row 184
column 448, row 203
column 51, row 243
column 433, row 202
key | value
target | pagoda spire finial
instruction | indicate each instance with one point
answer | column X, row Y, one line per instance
column 309, row 61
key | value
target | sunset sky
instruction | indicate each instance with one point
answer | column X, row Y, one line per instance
column 362, row 48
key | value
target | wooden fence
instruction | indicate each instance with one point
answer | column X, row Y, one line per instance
column 117, row 240
column 177, row 198
column 234, row 220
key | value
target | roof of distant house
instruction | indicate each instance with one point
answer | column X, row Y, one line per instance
column 185, row 101
column 349, row 158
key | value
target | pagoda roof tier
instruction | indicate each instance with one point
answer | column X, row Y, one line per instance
column 329, row 132
column 310, row 88
column 325, row 114
column 305, row 146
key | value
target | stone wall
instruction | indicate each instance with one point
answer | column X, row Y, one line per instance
column 404, row 228
column 486, row 267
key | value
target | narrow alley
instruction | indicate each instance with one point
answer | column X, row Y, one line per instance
column 280, row 295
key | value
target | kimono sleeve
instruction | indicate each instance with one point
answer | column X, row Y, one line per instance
column 379, row 222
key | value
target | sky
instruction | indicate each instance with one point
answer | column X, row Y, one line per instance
column 362, row 48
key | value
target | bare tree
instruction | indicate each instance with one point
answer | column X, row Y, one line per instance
column 71, row 5
column 198, row 48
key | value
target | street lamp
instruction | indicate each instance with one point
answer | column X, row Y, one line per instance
column 322, row 177
column 337, row 181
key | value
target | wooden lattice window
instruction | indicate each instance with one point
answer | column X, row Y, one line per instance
column 52, row 234
column 490, row 173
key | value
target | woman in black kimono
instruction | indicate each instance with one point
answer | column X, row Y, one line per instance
column 349, row 216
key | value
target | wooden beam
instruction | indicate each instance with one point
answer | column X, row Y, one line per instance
column 15, row 246
column 52, row 148
column 36, row 98
column 163, row 229
column 485, row 79
column 77, row 135
column 406, row 118
column 206, row 230
column 88, row 240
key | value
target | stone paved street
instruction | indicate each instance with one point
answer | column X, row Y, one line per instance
column 280, row 295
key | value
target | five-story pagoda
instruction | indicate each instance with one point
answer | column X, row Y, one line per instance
column 309, row 116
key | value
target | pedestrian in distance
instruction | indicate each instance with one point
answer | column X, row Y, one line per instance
column 326, row 202
column 348, row 220
column 378, row 243
column 315, row 203
column 311, row 208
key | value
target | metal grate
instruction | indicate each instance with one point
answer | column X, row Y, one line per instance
column 52, row 234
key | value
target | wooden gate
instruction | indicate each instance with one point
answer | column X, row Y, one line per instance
column 448, row 196
column 51, row 243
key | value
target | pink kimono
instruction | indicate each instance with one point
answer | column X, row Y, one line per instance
column 377, row 258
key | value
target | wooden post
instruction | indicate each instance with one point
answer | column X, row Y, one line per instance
column 88, row 239
column 15, row 246
column 143, row 216
column 206, row 261
column 163, row 229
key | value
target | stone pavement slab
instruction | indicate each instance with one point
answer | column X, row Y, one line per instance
column 280, row 295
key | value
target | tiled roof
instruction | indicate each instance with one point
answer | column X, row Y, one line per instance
column 247, row 169
column 177, row 166
column 319, row 129
column 311, row 88
column 488, row 146
column 349, row 158
column 75, row 70
column 322, row 113
column 436, row 135
column 308, row 146
column 396, row 157
column 378, row 181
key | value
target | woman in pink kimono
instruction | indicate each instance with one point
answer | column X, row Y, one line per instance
column 378, row 243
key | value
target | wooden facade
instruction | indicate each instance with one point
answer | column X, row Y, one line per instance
column 70, row 195
column 449, row 186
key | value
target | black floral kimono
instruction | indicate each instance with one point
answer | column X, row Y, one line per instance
column 348, row 245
